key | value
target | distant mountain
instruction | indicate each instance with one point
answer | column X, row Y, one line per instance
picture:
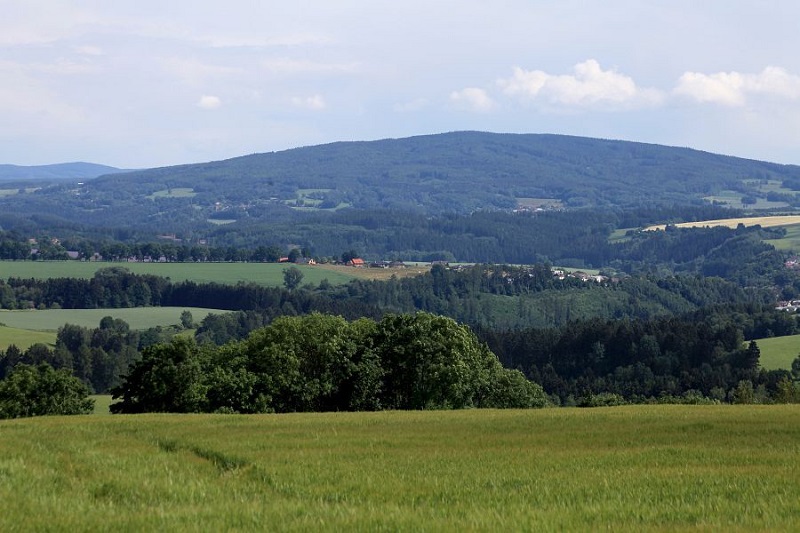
column 445, row 174
column 460, row 172
column 60, row 171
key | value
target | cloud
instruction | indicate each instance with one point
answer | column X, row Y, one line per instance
column 473, row 99
column 414, row 105
column 195, row 72
column 312, row 103
column 209, row 102
column 299, row 66
column 259, row 41
column 589, row 86
column 733, row 88
column 26, row 102
column 88, row 50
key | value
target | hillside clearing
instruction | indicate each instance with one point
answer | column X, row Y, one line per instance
column 779, row 352
column 24, row 338
column 136, row 317
column 642, row 468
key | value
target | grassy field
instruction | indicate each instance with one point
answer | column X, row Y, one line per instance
column 24, row 338
column 779, row 352
column 136, row 317
column 642, row 468
column 175, row 192
column 270, row 274
column 790, row 241
column 101, row 403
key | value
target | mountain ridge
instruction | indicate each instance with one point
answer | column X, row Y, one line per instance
column 57, row 171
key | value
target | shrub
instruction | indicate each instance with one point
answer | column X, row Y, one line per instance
column 42, row 390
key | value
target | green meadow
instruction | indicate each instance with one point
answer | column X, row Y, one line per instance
column 24, row 338
column 270, row 274
column 789, row 242
column 136, row 317
column 175, row 192
column 779, row 352
column 638, row 468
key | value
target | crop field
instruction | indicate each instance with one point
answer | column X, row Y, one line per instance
column 779, row 352
column 764, row 222
column 269, row 274
column 639, row 468
column 136, row 317
column 24, row 338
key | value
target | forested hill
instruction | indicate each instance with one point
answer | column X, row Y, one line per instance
column 461, row 172
column 430, row 176
column 59, row 171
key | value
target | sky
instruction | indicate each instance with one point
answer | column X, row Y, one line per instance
column 137, row 84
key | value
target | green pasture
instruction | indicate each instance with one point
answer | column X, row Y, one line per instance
column 769, row 186
column 790, row 241
column 269, row 274
column 734, row 199
column 175, row 192
column 24, row 338
column 136, row 317
column 779, row 352
column 637, row 468
column 620, row 235
column 536, row 203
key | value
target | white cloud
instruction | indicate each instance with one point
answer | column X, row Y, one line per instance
column 733, row 88
column 196, row 72
column 588, row 86
column 414, row 105
column 209, row 102
column 312, row 103
column 26, row 102
column 295, row 39
column 473, row 99
column 299, row 66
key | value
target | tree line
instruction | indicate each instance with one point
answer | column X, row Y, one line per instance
column 325, row 363
column 701, row 353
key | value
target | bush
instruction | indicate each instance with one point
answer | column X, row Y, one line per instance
column 41, row 390
column 601, row 399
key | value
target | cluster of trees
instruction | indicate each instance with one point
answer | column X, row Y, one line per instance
column 325, row 363
column 41, row 390
column 15, row 246
column 496, row 296
column 97, row 357
column 703, row 352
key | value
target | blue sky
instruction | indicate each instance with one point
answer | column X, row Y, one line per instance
column 142, row 83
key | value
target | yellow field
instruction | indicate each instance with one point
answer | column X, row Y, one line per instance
column 764, row 222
